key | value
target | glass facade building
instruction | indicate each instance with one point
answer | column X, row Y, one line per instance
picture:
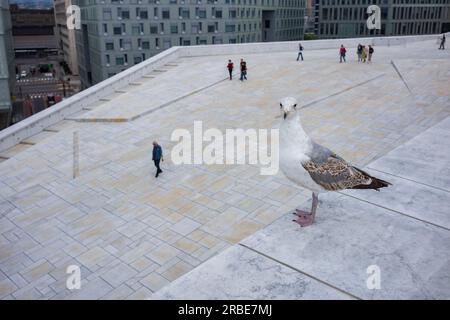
column 347, row 18
column 117, row 34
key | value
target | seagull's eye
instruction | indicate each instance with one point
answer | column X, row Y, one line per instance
column 295, row 105
column 281, row 106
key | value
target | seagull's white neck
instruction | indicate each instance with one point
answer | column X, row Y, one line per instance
column 292, row 134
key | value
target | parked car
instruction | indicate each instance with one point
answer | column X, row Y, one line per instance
column 23, row 74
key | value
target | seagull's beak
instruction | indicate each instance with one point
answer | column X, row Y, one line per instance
column 285, row 115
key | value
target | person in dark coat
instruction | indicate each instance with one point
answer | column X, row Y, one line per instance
column 442, row 46
column 230, row 67
column 300, row 51
column 243, row 70
column 157, row 157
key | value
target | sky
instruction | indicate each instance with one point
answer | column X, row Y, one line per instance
column 33, row 3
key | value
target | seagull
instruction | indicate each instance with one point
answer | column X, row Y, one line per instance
column 315, row 167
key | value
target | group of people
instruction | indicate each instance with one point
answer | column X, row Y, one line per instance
column 243, row 69
column 364, row 53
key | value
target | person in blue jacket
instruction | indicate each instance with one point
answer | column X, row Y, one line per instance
column 157, row 157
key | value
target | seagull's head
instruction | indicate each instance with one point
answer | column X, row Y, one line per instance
column 288, row 107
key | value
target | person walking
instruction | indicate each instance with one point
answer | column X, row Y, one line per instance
column 342, row 52
column 363, row 54
column 243, row 70
column 370, row 53
column 157, row 157
column 442, row 46
column 230, row 67
column 300, row 53
column 359, row 52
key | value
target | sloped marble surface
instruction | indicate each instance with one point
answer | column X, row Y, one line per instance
column 239, row 273
column 425, row 158
column 349, row 236
column 414, row 199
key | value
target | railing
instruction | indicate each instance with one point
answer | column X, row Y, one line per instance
column 36, row 123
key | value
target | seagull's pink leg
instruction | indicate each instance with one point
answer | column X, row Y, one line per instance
column 307, row 218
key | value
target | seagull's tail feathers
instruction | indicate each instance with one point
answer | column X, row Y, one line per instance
column 374, row 184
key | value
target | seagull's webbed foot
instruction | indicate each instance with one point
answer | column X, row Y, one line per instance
column 301, row 214
column 305, row 220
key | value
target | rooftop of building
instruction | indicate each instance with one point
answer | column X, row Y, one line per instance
column 133, row 235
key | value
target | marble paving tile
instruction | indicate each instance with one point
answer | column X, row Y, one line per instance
column 239, row 273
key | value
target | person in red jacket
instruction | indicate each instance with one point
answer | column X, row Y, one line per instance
column 230, row 67
column 342, row 52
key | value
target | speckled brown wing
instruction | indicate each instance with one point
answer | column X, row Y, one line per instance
column 336, row 174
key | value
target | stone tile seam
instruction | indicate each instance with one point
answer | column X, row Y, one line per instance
column 300, row 271
column 307, row 105
column 404, row 178
column 397, row 212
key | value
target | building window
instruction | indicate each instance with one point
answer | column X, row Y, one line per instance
column 135, row 29
column 107, row 14
column 141, row 13
column 165, row 13
column 153, row 28
column 230, row 28
column 167, row 43
column 120, row 61
column 232, row 13
column 146, row 45
column 109, row 45
column 194, row 28
column 137, row 59
column 173, row 28
column 184, row 13
column 211, row 28
column 200, row 12
column 218, row 13
column 117, row 30
column 123, row 13
column 125, row 44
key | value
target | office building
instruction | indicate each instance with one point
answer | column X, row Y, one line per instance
column 347, row 18
column 65, row 36
column 7, row 71
column 117, row 34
